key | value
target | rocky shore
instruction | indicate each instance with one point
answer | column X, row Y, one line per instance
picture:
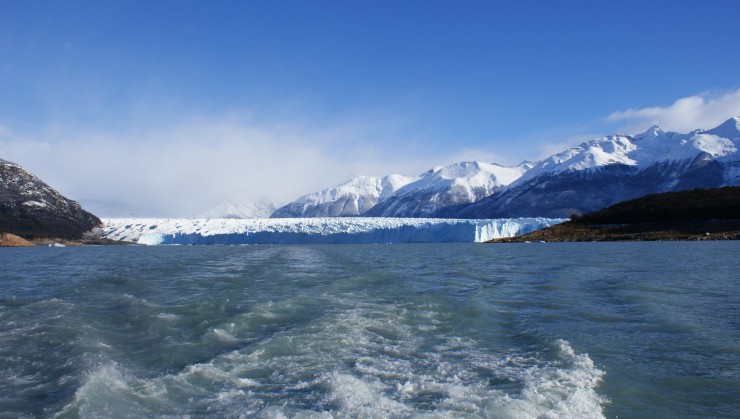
column 11, row 240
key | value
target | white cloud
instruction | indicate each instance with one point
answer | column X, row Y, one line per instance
column 706, row 110
column 187, row 168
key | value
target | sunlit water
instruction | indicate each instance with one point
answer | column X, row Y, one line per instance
column 462, row 330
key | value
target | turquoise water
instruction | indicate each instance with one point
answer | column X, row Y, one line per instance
column 441, row 330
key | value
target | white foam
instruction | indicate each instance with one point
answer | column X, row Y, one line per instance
column 223, row 335
column 168, row 316
column 368, row 360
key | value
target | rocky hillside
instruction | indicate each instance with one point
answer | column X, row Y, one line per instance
column 32, row 209
column 694, row 205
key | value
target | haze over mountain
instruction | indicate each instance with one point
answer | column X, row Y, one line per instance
column 240, row 209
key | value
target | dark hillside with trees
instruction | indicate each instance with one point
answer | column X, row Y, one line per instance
column 700, row 214
column 694, row 205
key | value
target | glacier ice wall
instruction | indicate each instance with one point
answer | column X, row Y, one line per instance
column 317, row 230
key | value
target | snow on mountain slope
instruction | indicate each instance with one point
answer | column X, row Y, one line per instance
column 728, row 129
column 611, row 169
column 642, row 150
column 351, row 198
column 655, row 145
column 237, row 208
column 613, row 149
column 449, row 186
column 317, row 230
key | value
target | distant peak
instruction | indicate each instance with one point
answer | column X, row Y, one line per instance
column 727, row 129
column 527, row 164
column 732, row 122
column 652, row 132
column 434, row 169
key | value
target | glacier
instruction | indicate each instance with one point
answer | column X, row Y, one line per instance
column 343, row 230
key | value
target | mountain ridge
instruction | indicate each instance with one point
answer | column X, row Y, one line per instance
column 429, row 194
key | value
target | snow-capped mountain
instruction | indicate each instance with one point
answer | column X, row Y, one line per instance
column 435, row 193
column 442, row 190
column 351, row 198
column 615, row 168
column 31, row 208
column 239, row 209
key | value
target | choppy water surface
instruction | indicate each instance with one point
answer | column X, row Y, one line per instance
column 548, row 330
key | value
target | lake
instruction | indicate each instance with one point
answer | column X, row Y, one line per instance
column 402, row 330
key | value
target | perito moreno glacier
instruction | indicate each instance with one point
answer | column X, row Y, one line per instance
column 317, row 230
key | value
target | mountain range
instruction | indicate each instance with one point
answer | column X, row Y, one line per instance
column 582, row 179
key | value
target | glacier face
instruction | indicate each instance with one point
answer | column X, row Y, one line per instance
column 316, row 230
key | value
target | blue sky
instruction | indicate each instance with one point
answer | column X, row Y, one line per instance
column 152, row 101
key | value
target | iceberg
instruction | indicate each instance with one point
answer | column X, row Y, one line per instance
column 317, row 230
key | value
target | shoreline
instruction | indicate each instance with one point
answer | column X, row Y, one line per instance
column 12, row 240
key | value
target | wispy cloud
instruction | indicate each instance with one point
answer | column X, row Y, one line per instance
column 705, row 111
